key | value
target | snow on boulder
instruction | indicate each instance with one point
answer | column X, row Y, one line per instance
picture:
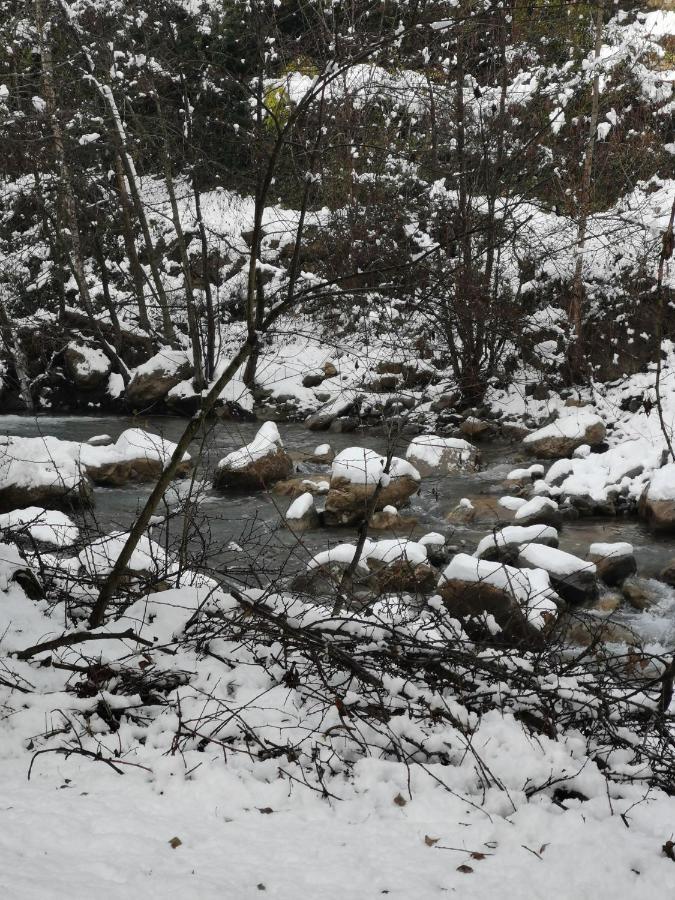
column 430, row 453
column 46, row 526
column 137, row 455
column 614, row 562
column 41, row 471
column 573, row 578
column 657, row 504
column 346, row 402
column 525, row 476
column 522, row 603
column 562, row 437
column 323, row 454
column 99, row 557
column 538, row 510
column 152, row 381
column 301, row 514
column 257, row 465
column 505, row 545
column 15, row 570
column 357, row 474
column 87, row 367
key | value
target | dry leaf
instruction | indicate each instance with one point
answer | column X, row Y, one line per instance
column 429, row 841
column 543, row 847
column 669, row 849
column 175, row 842
column 476, row 855
column 464, row 868
column 399, row 800
column 266, row 810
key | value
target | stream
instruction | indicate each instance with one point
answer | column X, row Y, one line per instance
column 254, row 522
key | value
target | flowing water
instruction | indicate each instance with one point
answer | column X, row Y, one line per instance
column 254, row 522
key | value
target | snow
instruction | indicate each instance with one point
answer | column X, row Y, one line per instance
column 554, row 561
column 431, row 450
column 322, row 450
column 531, row 472
column 573, row 426
column 49, row 526
column 384, row 551
column 531, row 588
column 91, row 361
column 512, row 503
column 516, row 535
column 99, row 557
column 536, row 506
column 359, row 465
column 166, row 361
column 432, row 539
column 266, row 442
column 300, row 506
column 611, row 551
column 662, row 484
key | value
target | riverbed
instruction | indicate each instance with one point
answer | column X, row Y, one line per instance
column 245, row 534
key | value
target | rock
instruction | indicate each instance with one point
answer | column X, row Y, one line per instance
column 355, row 474
column 321, row 420
column 637, row 595
column 389, row 519
column 539, row 511
column 657, row 503
column 137, row 455
column 302, row 484
column 58, row 495
column 301, row 515
column 86, row 366
column 344, row 425
column 573, row 578
column 100, row 440
column 477, row 429
column 608, row 602
column 430, row 453
column 473, row 589
column 587, row 630
column 256, row 466
column 504, row 546
column 152, row 381
column 403, row 577
column 388, row 367
column 614, row 562
column 668, row 573
column 330, row 369
column 310, row 381
column 481, row 510
column 562, row 437
column 323, row 455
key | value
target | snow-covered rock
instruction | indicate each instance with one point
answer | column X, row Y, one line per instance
column 614, row 562
column 43, row 472
column 47, row 526
column 88, row 367
column 563, row 436
column 521, row 602
column 257, row 465
column 657, row 504
column 356, row 475
column 152, row 381
column 430, row 453
column 505, row 545
column 137, row 455
column 538, row 510
column 301, row 514
column 573, row 578
column 99, row 557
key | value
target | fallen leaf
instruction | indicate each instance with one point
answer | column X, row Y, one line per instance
column 399, row 800
column 266, row 810
column 175, row 842
column 261, row 887
column 429, row 841
column 669, row 849
column 543, row 847
column 476, row 855
column 464, row 868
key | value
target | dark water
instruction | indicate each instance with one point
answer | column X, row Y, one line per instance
column 255, row 521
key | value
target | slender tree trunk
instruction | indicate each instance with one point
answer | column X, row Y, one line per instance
column 135, row 268
column 13, row 346
column 576, row 309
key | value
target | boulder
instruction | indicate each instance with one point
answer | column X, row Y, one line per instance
column 321, row 420
column 86, row 366
column 256, row 466
column 481, row 510
column 573, row 578
column 42, row 472
column 477, row 429
column 637, row 594
column 668, row 573
column 153, row 380
column 522, row 604
column 562, row 437
column 301, row 515
column 355, row 476
column 137, row 455
column 302, row 484
column 430, row 453
column 657, row 503
column 505, row 545
column 539, row 511
column 614, row 562
column 313, row 379
column 322, row 455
